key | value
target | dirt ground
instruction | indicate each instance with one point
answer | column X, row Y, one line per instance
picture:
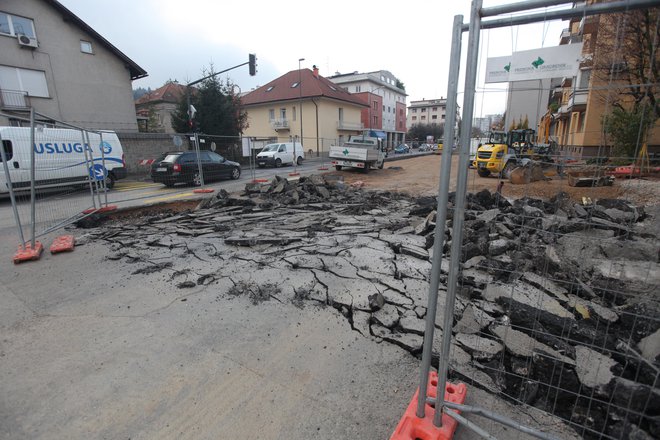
column 420, row 176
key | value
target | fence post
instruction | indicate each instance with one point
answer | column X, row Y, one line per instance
column 199, row 160
column 10, row 187
column 33, row 190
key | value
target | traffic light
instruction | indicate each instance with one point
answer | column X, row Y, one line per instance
column 253, row 64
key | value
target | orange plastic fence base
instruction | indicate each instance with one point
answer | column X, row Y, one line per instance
column 294, row 174
column 260, row 180
column 323, row 168
column 98, row 210
column 411, row 427
column 63, row 243
column 203, row 190
column 27, row 253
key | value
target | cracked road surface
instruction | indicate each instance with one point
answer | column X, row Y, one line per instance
column 229, row 322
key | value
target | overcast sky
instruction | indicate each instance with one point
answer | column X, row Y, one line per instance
column 173, row 39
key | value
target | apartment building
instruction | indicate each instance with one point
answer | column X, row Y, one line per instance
column 577, row 105
column 385, row 97
column 430, row 112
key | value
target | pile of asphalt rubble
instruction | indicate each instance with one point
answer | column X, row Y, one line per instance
column 557, row 305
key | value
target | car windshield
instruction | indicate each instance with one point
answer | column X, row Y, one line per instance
column 271, row 147
column 171, row 158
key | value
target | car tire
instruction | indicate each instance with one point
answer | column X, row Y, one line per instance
column 235, row 173
column 338, row 167
column 278, row 163
column 169, row 184
column 367, row 168
column 299, row 161
column 197, row 179
column 482, row 172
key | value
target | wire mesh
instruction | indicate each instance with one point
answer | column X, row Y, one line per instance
column 57, row 172
column 559, row 267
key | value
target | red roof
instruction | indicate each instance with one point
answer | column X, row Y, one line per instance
column 283, row 89
column 170, row 92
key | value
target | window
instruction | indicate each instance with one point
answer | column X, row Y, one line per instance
column 271, row 114
column 294, row 85
column 375, row 121
column 423, row 118
column 423, row 110
column 376, row 105
column 86, row 47
column 341, row 114
column 443, row 116
column 15, row 25
column 434, row 117
column 414, row 110
column 581, row 123
column 282, row 148
column 9, row 152
column 293, row 113
column 435, row 109
column 24, row 80
column 283, row 113
column 358, row 89
column 414, row 118
column 585, row 76
column 270, row 88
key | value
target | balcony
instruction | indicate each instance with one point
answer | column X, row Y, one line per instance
column 350, row 126
column 280, row 124
column 14, row 100
column 577, row 100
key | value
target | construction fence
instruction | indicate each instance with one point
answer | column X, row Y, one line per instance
column 548, row 296
column 55, row 174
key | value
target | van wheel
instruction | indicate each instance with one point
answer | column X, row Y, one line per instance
column 366, row 168
column 299, row 161
column 110, row 181
column 382, row 164
column 235, row 173
column 278, row 163
column 483, row 172
column 338, row 167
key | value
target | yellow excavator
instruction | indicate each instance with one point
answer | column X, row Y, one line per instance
column 504, row 152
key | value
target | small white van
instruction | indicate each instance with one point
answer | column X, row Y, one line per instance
column 281, row 153
column 62, row 158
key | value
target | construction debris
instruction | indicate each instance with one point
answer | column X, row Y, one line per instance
column 533, row 271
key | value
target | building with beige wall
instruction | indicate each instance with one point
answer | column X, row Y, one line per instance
column 155, row 109
column 55, row 63
column 301, row 104
column 577, row 105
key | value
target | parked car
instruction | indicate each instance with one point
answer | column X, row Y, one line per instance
column 402, row 149
column 424, row 147
column 181, row 167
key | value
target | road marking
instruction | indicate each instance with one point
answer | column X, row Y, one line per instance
column 175, row 196
column 130, row 186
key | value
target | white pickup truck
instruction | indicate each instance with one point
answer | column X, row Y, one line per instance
column 359, row 152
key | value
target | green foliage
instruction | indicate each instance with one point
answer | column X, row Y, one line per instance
column 152, row 125
column 218, row 109
column 553, row 107
column 140, row 91
column 400, row 85
column 627, row 129
column 420, row 131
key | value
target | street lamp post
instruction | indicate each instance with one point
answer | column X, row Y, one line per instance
column 300, row 95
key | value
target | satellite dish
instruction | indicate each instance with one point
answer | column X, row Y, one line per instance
column 178, row 142
column 213, row 147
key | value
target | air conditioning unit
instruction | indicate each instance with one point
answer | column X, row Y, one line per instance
column 25, row 41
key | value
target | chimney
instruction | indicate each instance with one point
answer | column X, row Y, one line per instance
column 315, row 71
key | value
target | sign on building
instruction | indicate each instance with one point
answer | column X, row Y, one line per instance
column 548, row 62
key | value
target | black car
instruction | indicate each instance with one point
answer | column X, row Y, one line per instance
column 181, row 167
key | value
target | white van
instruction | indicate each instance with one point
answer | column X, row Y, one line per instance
column 60, row 158
column 281, row 153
